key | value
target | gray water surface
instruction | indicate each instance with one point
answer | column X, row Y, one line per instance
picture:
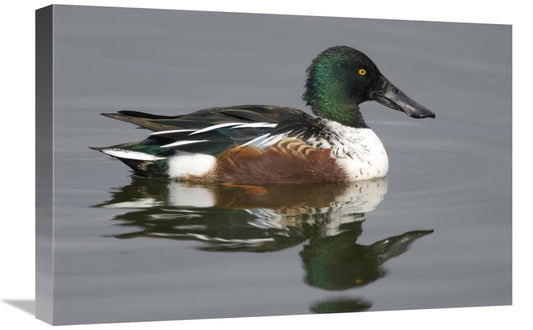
column 435, row 233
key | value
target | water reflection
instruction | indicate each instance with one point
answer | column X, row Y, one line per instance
column 325, row 218
column 340, row 305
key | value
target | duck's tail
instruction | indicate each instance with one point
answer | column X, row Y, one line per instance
column 142, row 163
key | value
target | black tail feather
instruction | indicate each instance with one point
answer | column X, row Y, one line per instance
column 140, row 114
column 142, row 119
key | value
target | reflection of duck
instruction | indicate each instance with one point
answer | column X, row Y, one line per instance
column 340, row 305
column 260, row 218
column 269, row 144
column 271, row 218
column 337, row 263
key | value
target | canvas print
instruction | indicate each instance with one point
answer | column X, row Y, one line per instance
column 203, row 164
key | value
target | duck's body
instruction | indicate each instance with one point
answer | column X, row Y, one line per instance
column 252, row 144
column 258, row 144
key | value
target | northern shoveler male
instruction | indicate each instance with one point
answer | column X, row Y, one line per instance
column 262, row 144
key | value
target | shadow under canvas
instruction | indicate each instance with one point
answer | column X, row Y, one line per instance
column 27, row 306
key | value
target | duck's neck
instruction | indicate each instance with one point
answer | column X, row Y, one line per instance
column 346, row 114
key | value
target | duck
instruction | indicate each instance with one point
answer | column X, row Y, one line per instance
column 265, row 144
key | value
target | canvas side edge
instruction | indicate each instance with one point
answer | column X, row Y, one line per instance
column 44, row 234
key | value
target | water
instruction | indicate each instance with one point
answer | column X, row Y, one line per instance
column 435, row 233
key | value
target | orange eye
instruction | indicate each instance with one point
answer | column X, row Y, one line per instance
column 362, row 72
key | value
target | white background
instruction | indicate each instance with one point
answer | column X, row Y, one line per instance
column 18, row 159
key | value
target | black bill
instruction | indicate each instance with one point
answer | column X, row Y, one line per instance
column 392, row 97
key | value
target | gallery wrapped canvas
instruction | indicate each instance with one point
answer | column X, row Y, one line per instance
column 283, row 165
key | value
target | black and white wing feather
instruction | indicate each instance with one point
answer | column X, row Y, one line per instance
column 214, row 130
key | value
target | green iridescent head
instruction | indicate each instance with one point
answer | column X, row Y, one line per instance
column 340, row 78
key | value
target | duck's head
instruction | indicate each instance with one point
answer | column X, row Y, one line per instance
column 340, row 78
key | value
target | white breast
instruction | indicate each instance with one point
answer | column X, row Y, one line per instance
column 358, row 151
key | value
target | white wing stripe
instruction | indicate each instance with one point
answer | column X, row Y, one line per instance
column 210, row 128
column 235, row 125
column 253, row 125
column 182, row 142
column 258, row 140
column 173, row 131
